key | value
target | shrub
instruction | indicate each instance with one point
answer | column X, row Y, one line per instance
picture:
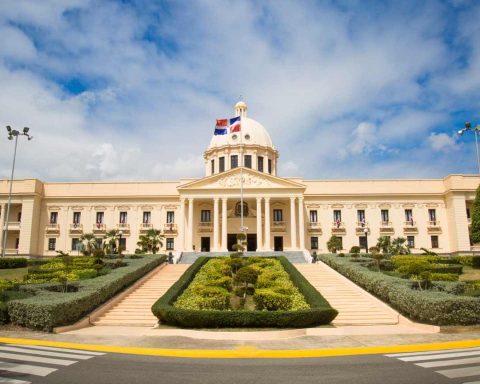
column 444, row 277
column 341, row 255
column 475, row 227
column 355, row 249
column 319, row 312
column 47, row 310
column 386, row 265
column 3, row 313
column 465, row 260
column 333, row 244
column 11, row 263
column 476, row 261
column 432, row 307
column 266, row 298
column 447, row 268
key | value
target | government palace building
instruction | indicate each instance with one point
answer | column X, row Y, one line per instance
column 204, row 214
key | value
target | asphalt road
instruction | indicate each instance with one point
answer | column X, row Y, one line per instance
column 56, row 365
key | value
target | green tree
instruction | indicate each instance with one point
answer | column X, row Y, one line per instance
column 110, row 243
column 89, row 243
column 384, row 243
column 398, row 247
column 475, row 228
column 246, row 276
column 241, row 244
column 334, row 244
column 150, row 242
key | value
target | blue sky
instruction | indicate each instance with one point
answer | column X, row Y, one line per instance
column 130, row 90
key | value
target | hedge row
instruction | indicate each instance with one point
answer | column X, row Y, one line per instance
column 11, row 263
column 432, row 307
column 320, row 312
column 48, row 309
column 447, row 268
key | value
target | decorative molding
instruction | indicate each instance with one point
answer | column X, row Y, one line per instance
column 123, row 207
column 248, row 181
column 171, row 207
column 361, row 205
column 431, row 205
column 76, row 208
column 54, row 208
column 408, row 205
column 146, row 208
column 99, row 208
column 337, row 206
column 384, row 205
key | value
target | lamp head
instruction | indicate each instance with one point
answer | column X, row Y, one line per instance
column 30, row 138
column 9, row 129
column 460, row 132
column 468, row 125
column 365, row 231
column 25, row 130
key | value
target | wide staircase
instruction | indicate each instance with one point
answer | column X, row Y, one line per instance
column 295, row 257
column 354, row 305
column 134, row 309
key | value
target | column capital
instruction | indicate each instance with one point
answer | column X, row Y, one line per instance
column 190, row 199
column 182, row 199
column 224, row 198
column 259, row 198
column 292, row 198
column 216, row 199
column 267, row 199
column 300, row 199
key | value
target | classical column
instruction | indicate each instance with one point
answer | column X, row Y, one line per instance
column 2, row 222
column 224, row 224
column 293, row 224
column 301, row 223
column 259, row 225
column 181, row 226
column 267, row 224
column 215, row 224
column 190, row 224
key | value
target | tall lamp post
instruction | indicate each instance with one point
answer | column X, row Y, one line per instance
column 12, row 134
column 468, row 127
column 365, row 231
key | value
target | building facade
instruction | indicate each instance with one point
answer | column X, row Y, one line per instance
column 282, row 214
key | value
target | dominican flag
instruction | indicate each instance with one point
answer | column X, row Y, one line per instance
column 221, row 128
column 235, row 124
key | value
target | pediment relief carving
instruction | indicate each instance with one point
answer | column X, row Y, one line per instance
column 248, row 181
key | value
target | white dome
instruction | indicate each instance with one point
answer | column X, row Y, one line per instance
column 252, row 133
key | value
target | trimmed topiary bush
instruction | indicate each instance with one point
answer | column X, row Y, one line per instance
column 12, row 263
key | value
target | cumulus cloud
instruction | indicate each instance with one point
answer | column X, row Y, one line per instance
column 442, row 141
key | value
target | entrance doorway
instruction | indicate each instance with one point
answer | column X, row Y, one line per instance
column 251, row 242
column 231, row 240
column 205, row 244
column 278, row 243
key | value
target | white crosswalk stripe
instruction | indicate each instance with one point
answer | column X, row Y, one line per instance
column 43, row 360
column 458, row 368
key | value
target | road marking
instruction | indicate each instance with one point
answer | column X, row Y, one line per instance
column 77, row 351
column 446, row 363
column 460, row 372
column 439, row 356
column 45, row 353
column 36, row 359
column 7, row 380
column 432, row 352
column 25, row 368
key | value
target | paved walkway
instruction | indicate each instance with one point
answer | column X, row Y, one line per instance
column 355, row 306
column 135, row 309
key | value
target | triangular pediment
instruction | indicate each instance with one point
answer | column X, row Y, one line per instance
column 251, row 180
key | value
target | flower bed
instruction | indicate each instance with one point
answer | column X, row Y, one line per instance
column 281, row 296
column 439, row 307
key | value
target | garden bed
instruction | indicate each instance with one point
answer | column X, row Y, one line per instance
column 48, row 308
column 188, row 304
column 444, row 304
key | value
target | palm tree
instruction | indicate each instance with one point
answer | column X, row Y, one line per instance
column 384, row 243
column 334, row 244
column 398, row 247
column 110, row 244
column 89, row 243
column 151, row 242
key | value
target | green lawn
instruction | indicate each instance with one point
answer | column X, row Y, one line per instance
column 470, row 273
column 10, row 274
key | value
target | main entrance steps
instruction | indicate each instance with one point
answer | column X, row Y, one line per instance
column 135, row 309
column 295, row 257
column 354, row 305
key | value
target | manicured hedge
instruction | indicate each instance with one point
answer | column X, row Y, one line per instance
column 11, row 263
column 48, row 309
column 320, row 311
column 447, row 268
column 432, row 307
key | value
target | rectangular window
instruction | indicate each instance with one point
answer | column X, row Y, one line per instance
column 147, row 217
column 314, row 242
column 212, row 165
column 468, row 213
column 19, row 217
column 221, row 164
column 337, row 216
column 411, row 241
column 122, row 242
column 248, row 161
column 53, row 217
column 99, row 217
column 123, row 217
column 17, row 243
column 362, row 242
column 434, row 241
column 205, row 216
column 340, row 243
column 170, row 217
column 432, row 215
column 76, row 244
column 52, row 242
column 385, row 216
column 260, row 164
column 409, row 216
column 270, row 166
column 170, row 244
column 313, row 216
column 76, row 217
column 233, row 161
column 277, row 215
column 99, row 241
column 361, row 216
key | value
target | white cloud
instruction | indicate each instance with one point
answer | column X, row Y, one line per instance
column 442, row 142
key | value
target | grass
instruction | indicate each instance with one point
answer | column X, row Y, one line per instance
column 11, row 274
column 470, row 273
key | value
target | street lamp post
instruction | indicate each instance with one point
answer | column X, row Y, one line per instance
column 365, row 231
column 120, row 234
column 12, row 134
column 468, row 127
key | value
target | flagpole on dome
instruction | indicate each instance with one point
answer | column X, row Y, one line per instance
column 242, row 227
